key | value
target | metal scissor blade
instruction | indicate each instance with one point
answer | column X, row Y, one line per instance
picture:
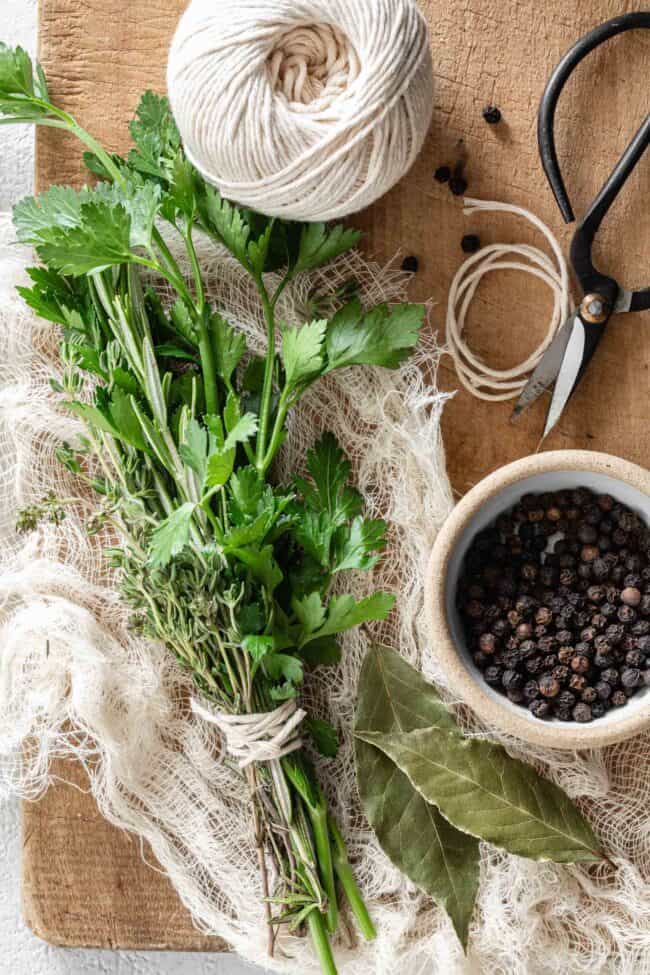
column 547, row 370
column 573, row 363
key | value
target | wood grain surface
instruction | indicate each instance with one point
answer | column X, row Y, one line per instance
column 85, row 883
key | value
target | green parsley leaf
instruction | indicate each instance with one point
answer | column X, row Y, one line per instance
column 239, row 428
column 262, row 564
column 330, row 471
column 194, row 448
column 381, row 337
column 310, row 611
column 324, row 735
column 319, row 245
column 283, row 665
column 302, row 352
column 228, row 346
column 226, row 222
column 357, row 547
column 324, row 652
column 102, row 240
column 155, row 136
column 21, row 87
column 58, row 208
column 258, row 646
column 172, row 535
column 343, row 613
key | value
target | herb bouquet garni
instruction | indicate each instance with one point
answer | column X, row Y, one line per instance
column 229, row 569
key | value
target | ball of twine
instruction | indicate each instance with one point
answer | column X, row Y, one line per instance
column 303, row 109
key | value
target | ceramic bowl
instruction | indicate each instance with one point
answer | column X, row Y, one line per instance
column 495, row 494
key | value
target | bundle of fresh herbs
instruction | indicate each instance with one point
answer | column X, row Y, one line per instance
column 229, row 569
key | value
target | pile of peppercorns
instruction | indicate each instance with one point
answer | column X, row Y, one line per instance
column 555, row 601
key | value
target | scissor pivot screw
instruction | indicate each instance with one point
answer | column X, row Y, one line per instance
column 594, row 309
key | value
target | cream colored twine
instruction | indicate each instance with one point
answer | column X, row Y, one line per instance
column 483, row 381
column 306, row 110
column 264, row 737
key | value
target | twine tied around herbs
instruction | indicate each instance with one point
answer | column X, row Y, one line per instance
column 263, row 737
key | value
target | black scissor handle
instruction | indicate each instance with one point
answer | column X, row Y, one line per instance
column 590, row 278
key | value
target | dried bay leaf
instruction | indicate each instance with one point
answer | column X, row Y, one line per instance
column 436, row 856
column 482, row 791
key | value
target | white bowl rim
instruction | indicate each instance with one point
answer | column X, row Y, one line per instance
column 494, row 709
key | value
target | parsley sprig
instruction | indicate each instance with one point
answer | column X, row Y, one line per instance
column 231, row 569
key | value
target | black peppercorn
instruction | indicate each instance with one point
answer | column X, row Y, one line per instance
column 577, row 682
column 634, row 658
column 630, row 677
column 410, row 264
column 458, row 185
column 626, row 614
column 589, row 695
column 493, row 675
column 611, row 675
column 488, row 643
column 603, row 690
column 619, row 698
column 442, row 174
column 598, row 709
column 470, row 243
column 549, row 686
column 491, row 114
column 561, row 673
column 512, row 680
column 582, row 712
column 540, row 708
column 579, row 664
column 631, row 596
column 531, row 690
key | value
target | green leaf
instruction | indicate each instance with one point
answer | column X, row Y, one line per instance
column 258, row 646
column 247, row 489
column 324, row 735
column 484, row 792
column 21, row 86
column 125, row 420
column 357, row 547
column 226, row 221
column 262, row 564
column 140, row 201
column 437, row 857
column 330, row 471
column 221, row 463
column 155, row 136
column 381, row 337
column 58, row 207
column 228, row 346
column 172, row 535
column 103, row 239
column 91, row 415
column 324, row 652
column 302, row 352
column 310, row 611
column 343, row 613
column 194, row 448
column 282, row 665
column 182, row 321
column 239, row 428
column 319, row 245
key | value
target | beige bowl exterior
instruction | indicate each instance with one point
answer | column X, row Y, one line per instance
column 464, row 678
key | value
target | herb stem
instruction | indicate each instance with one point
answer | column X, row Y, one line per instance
column 267, row 387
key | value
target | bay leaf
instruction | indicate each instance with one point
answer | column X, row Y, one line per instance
column 481, row 790
column 437, row 857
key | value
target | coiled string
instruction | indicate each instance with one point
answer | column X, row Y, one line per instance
column 477, row 376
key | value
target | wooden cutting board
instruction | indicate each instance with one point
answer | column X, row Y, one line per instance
column 84, row 882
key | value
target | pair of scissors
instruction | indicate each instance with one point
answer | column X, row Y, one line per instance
column 568, row 355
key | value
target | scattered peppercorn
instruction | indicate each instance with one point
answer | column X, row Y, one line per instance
column 555, row 602
column 410, row 264
column 470, row 243
column 458, row 185
column 442, row 174
column 492, row 114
